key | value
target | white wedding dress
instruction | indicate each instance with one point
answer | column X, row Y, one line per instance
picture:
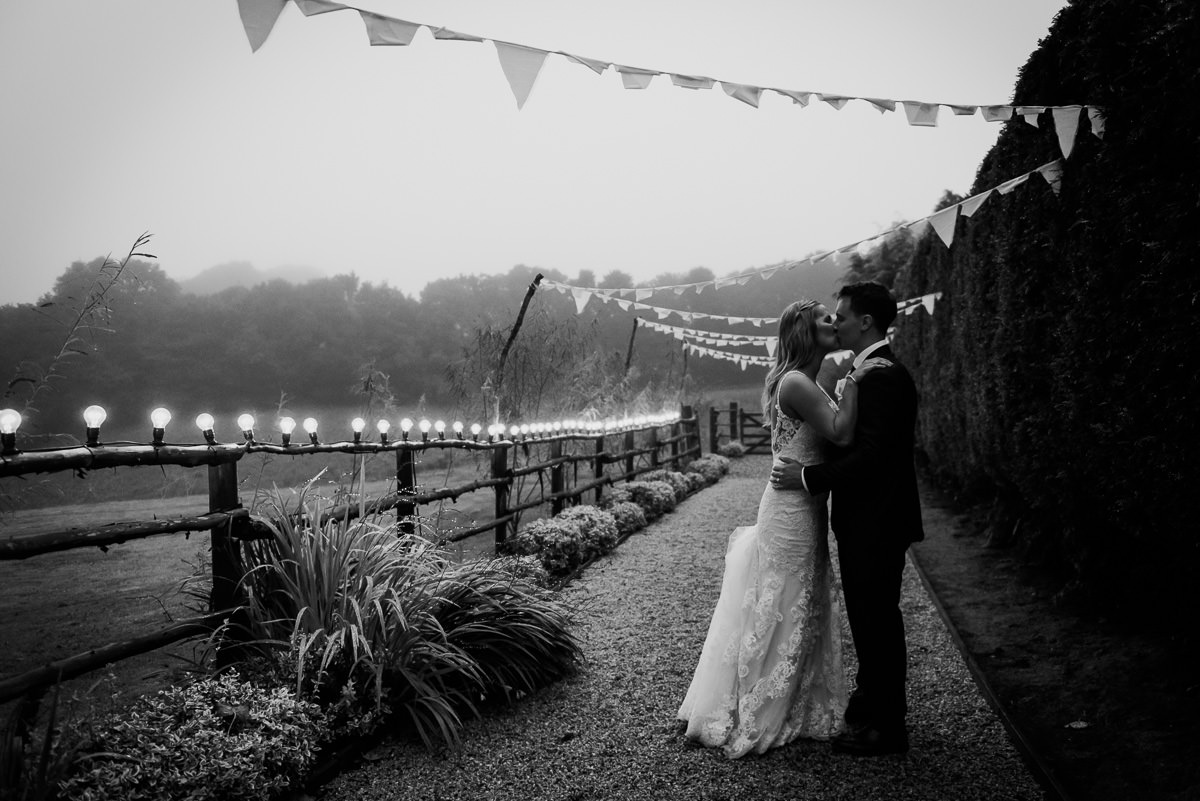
column 771, row 667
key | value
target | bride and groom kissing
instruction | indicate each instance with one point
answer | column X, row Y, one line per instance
column 770, row 670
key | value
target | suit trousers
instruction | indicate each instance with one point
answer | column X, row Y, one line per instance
column 871, row 575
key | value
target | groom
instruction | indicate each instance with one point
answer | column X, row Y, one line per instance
column 876, row 514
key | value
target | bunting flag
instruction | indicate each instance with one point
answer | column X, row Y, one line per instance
column 259, row 17
column 943, row 223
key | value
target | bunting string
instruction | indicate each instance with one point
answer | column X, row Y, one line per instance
column 521, row 65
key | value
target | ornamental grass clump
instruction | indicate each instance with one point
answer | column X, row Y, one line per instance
column 219, row 738
column 377, row 624
column 677, row 481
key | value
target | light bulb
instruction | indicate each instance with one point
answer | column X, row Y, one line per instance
column 383, row 427
column 424, row 426
column 94, row 416
column 358, row 424
column 160, row 417
column 310, row 427
column 457, row 428
column 10, row 421
column 524, row 429
column 440, row 428
column 286, row 426
column 246, row 422
column 475, row 429
column 515, row 431
column 205, row 422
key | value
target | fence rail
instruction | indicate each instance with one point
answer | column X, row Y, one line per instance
column 230, row 523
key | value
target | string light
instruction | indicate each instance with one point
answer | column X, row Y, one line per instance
column 246, row 424
column 424, row 426
column 383, row 426
column 440, row 428
column 310, row 428
column 10, row 421
column 205, row 422
column 158, row 422
column 286, row 426
column 457, row 428
column 406, row 425
column 357, row 425
column 93, row 418
column 475, row 429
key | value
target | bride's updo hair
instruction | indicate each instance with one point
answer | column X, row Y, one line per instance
column 797, row 346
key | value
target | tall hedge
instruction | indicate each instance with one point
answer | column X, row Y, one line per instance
column 1058, row 374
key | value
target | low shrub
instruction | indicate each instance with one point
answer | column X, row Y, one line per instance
column 711, row 466
column 599, row 528
column 629, row 517
column 677, row 481
column 696, row 482
column 734, row 449
column 559, row 544
column 217, row 738
column 656, row 498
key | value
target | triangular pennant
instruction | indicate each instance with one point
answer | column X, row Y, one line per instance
column 736, row 320
column 1096, row 118
column 972, row 204
column 581, row 299
column 521, row 66
column 642, row 293
column 927, row 302
column 595, row 66
column 1066, row 124
column 678, row 290
column 1009, row 186
column 662, row 313
column 943, row 223
column 624, row 305
column 799, row 98
column 924, row 114
column 742, row 280
column 1030, row 114
column 767, row 273
column 837, row 101
column 997, row 113
column 963, row 111
column 445, row 34
column 311, row 8
column 1052, row 172
column 691, row 81
column 884, row 105
column 742, row 92
column 771, row 343
column 635, row 78
column 258, row 18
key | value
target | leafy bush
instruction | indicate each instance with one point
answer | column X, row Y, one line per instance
column 629, row 517
column 599, row 528
column 696, row 482
column 558, row 543
column 678, row 483
column 218, row 738
column 711, row 467
column 656, row 498
column 734, row 449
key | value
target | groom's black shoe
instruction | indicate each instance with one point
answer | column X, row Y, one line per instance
column 870, row 741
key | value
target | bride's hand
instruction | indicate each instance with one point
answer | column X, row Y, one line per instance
column 874, row 363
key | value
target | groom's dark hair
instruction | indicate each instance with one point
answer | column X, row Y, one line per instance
column 873, row 298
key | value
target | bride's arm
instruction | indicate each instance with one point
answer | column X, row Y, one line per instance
column 799, row 397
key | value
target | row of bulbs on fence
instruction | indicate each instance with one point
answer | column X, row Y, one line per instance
column 94, row 417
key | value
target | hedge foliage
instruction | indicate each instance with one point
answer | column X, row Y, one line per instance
column 1056, row 374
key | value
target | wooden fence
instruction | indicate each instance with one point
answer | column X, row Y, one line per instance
column 737, row 423
column 631, row 448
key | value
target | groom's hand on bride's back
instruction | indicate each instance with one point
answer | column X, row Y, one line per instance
column 787, row 474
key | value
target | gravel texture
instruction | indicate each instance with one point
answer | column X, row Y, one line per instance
column 610, row 732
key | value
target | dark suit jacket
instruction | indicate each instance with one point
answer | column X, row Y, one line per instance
column 874, row 481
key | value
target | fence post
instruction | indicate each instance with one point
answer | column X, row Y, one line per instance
column 598, row 465
column 406, row 481
column 735, row 422
column 676, row 430
column 500, row 470
column 692, row 427
column 654, row 460
column 226, row 562
column 712, row 428
column 630, row 443
column 556, row 477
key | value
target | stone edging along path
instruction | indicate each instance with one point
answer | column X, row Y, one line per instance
column 610, row 731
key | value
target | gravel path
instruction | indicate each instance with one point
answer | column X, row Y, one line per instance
column 610, row 732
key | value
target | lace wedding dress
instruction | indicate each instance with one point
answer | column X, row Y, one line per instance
column 771, row 667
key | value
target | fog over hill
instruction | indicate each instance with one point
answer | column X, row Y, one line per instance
column 244, row 274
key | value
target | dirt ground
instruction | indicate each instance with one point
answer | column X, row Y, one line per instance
column 1111, row 710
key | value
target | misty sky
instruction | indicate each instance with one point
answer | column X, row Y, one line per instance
column 408, row 164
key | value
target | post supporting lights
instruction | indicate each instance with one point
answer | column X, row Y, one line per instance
column 406, row 425
column 424, row 426
column 383, row 426
column 158, row 422
column 246, row 424
column 357, row 425
column 205, row 422
column 310, row 428
column 10, row 421
column 93, row 418
column 286, row 426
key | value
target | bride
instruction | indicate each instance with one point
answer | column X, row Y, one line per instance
column 771, row 670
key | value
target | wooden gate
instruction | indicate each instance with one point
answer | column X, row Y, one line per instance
column 736, row 423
